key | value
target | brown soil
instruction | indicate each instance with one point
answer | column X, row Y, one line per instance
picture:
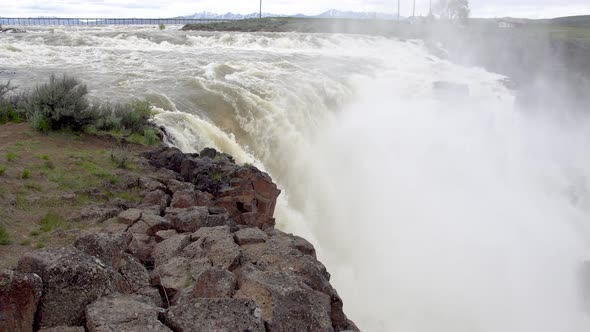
column 62, row 170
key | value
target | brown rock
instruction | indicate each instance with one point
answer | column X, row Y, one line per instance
column 178, row 273
column 203, row 198
column 140, row 227
column 156, row 198
column 191, row 219
column 134, row 275
column 173, row 275
column 255, row 219
column 151, row 294
column 97, row 214
column 215, row 243
column 183, row 199
column 169, row 158
column 215, row 282
column 287, row 304
column 250, row 235
column 19, row 295
column 215, row 315
column 142, row 247
column 124, row 313
column 108, row 248
column 167, row 249
column 71, row 280
column 129, row 217
column 165, row 235
column 155, row 223
column 176, row 186
column 150, row 184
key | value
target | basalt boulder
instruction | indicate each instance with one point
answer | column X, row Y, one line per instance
column 124, row 313
column 71, row 278
column 19, row 295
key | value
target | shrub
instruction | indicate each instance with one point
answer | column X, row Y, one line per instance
column 61, row 103
column 120, row 157
column 135, row 115
column 5, row 88
column 8, row 114
column 162, row 26
column 39, row 122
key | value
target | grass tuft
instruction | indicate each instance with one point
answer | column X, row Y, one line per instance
column 26, row 174
column 50, row 222
column 10, row 156
column 4, row 237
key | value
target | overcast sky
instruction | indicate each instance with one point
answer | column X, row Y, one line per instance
column 169, row 8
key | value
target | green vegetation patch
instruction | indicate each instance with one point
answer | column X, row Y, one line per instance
column 50, row 222
column 2, row 170
column 11, row 156
column 4, row 237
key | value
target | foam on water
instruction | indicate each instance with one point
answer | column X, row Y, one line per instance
column 432, row 213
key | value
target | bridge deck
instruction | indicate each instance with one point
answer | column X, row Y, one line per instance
column 23, row 21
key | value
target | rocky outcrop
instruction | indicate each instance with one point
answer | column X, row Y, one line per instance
column 196, row 255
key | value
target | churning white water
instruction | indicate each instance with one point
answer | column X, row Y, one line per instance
column 432, row 212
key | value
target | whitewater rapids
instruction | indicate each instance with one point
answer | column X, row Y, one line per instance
column 433, row 213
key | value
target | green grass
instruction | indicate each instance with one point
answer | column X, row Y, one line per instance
column 26, row 174
column 50, row 222
column 147, row 137
column 99, row 172
column 11, row 156
column 2, row 170
column 4, row 237
column 35, row 233
column 25, row 242
column 44, row 157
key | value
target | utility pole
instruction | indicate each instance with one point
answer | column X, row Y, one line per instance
column 260, row 14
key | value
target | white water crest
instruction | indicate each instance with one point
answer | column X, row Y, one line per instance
column 432, row 212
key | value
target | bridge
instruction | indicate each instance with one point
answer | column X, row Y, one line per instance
column 52, row 21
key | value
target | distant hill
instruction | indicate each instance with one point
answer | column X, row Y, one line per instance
column 583, row 20
column 228, row 16
column 332, row 13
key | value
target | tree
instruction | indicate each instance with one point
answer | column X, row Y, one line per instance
column 452, row 9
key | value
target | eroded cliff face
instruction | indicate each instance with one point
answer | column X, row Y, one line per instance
column 199, row 253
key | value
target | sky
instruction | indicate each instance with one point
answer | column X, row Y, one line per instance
column 171, row 8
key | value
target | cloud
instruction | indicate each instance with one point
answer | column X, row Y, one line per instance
column 163, row 8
